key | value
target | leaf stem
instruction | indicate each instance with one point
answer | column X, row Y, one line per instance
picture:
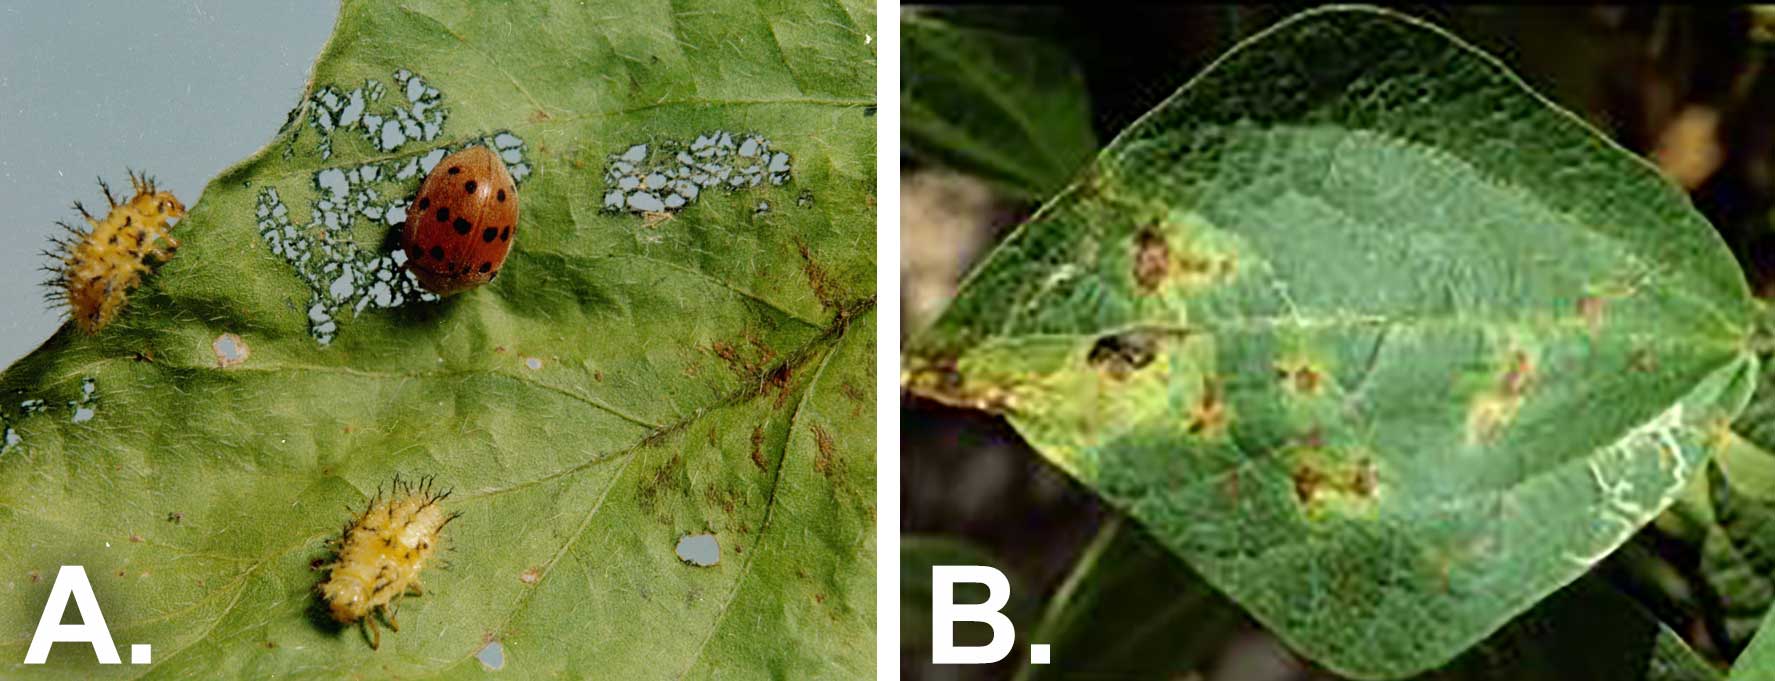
column 1052, row 618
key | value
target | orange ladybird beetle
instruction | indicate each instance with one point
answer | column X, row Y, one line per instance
column 461, row 223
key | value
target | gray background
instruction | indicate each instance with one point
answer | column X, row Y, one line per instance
column 181, row 90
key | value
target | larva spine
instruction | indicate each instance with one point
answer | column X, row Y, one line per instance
column 381, row 552
column 94, row 267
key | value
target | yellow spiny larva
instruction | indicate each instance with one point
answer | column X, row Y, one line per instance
column 381, row 553
column 95, row 267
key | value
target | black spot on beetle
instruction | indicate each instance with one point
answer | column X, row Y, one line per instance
column 488, row 235
column 437, row 252
column 469, row 186
column 486, row 266
column 501, row 196
column 425, row 203
column 455, row 169
column 506, row 234
column 444, row 214
column 462, row 226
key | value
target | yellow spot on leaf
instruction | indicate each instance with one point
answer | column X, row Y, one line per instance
column 1496, row 408
column 1209, row 415
column 1322, row 478
column 1159, row 263
column 1300, row 376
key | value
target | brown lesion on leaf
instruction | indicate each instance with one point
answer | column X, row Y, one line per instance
column 1316, row 480
column 1119, row 355
column 1307, row 480
column 1152, row 260
column 825, row 290
column 765, row 352
column 746, row 367
column 1591, row 310
column 856, row 397
column 670, row 476
column 1195, row 271
column 1364, row 480
column 939, row 379
column 728, row 500
column 779, row 380
column 1209, row 415
column 1642, row 360
column 1157, row 263
column 1495, row 408
column 826, row 451
column 1300, row 376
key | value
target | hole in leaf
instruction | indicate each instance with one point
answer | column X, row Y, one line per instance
column 230, row 350
column 492, row 656
column 1120, row 355
column 669, row 175
column 700, row 550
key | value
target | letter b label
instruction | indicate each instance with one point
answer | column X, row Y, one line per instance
column 945, row 612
